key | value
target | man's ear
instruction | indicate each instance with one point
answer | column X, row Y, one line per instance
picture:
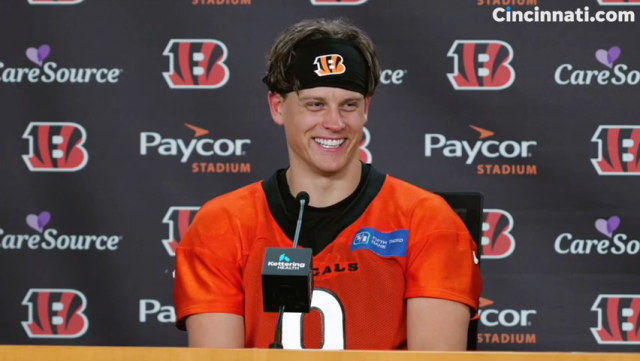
column 276, row 102
column 367, row 102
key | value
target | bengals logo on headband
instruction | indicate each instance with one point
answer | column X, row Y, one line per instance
column 330, row 64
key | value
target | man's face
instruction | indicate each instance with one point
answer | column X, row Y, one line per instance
column 323, row 126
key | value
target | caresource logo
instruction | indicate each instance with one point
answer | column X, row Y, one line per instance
column 619, row 2
column 617, row 74
column 52, row 239
column 617, row 244
column 196, row 64
column 364, row 153
column 497, row 241
column 487, row 149
column 618, row 319
column 511, row 321
column 55, row 313
column 389, row 76
column 338, row 2
column 179, row 219
column 55, row 147
column 618, row 150
column 203, row 147
column 481, row 65
column 48, row 72
column 54, row 2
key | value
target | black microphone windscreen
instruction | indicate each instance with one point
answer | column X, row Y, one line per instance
column 301, row 196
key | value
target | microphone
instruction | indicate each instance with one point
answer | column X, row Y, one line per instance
column 287, row 281
column 303, row 199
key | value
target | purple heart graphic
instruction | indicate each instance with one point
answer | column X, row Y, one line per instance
column 38, row 55
column 38, row 222
column 608, row 57
column 608, row 227
column 613, row 224
column 43, row 52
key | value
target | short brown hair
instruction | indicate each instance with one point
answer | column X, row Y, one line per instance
column 282, row 52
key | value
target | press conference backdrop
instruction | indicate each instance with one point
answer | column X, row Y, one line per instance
column 121, row 118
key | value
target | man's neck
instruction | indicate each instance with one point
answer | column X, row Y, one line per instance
column 324, row 191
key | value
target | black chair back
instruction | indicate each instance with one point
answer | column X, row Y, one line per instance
column 470, row 208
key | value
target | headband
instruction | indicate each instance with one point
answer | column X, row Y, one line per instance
column 329, row 62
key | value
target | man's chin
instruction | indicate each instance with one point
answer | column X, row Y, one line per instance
column 327, row 167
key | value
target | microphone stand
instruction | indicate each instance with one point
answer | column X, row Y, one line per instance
column 277, row 342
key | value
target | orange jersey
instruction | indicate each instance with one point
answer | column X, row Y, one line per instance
column 397, row 241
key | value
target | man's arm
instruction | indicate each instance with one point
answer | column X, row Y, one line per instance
column 437, row 325
column 216, row 330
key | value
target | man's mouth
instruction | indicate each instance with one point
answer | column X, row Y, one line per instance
column 329, row 143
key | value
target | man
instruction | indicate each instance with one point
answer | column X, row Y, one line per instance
column 393, row 264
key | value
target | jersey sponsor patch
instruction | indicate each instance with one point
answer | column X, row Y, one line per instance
column 384, row 244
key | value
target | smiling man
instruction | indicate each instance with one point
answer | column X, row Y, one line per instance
column 393, row 264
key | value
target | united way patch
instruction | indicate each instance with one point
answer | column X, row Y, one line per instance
column 384, row 244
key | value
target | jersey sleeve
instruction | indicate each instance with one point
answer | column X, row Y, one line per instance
column 208, row 277
column 441, row 256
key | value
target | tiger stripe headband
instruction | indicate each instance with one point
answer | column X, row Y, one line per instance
column 329, row 62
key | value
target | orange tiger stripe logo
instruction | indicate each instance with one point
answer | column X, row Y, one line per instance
column 331, row 64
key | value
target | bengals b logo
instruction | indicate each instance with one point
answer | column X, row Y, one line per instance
column 55, row 147
column 196, row 64
column 618, row 150
column 331, row 64
column 618, row 319
column 179, row 219
column 54, row 2
column 55, row 313
column 338, row 2
column 497, row 241
column 481, row 65
column 364, row 153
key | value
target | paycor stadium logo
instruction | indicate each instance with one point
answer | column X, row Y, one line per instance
column 500, row 325
column 492, row 157
column 201, row 146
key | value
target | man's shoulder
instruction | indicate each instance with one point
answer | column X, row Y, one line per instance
column 242, row 201
column 409, row 195
column 421, row 208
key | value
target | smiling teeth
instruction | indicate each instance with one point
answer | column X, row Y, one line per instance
column 329, row 143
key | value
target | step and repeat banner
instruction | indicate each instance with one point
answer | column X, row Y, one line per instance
column 121, row 118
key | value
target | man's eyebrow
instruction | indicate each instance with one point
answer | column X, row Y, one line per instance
column 305, row 98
